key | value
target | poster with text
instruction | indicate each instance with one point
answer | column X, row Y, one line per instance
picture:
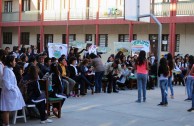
column 57, row 49
column 138, row 45
column 125, row 47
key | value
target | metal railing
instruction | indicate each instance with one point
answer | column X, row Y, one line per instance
column 185, row 8
column 161, row 9
column 10, row 17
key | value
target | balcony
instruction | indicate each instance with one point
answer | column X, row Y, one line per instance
column 82, row 13
column 185, row 8
column 55, row 15
column 10, row 17
column 31, row 15
column 161, row 9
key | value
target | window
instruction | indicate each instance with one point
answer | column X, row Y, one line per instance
column 134, row 36
column 8, row 6
column 88, row 37
column 7, row 38
column 49, row 4
column 103, row 40
column 25, row 5
column 164, row 44
column 25, row 38
column 177, row 42
column 64, row 38
column 72, row 37
column 48, row 38
column 123, row 38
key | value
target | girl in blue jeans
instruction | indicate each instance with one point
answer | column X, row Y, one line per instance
column 163, row 73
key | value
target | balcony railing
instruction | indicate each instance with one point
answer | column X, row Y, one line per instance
column 161, row 9
column 31, row 15
column 10, row 17
column 54, row 15
column 185, row 8
column 82, row 13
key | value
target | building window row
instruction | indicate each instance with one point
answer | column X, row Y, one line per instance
column 103, row 39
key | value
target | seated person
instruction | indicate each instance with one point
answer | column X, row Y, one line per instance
column 35, row 95
column 124, row 74
column 75, row 75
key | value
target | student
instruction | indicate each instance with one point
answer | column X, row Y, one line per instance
column 2, row 57
column 11, row 97
column 163, row 73
column 142, row 73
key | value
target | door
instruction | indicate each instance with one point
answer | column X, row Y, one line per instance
column 153, row 44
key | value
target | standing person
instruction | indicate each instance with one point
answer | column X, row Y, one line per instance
column 99, row 71
column 171, row 67
column 189, row 81
column 141, row 66
column 192, row 74
column 163, row 73
column 11, row 97
column 2, row 56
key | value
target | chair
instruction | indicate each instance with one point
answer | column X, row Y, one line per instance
column 16, row 116
column 104, row 83
column 132, row 82
column 50, row 100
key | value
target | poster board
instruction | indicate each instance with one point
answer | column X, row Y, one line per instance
column 77, row 44
column 57, row 49
column 125, row 47
column 92, row 49
column 138, row 45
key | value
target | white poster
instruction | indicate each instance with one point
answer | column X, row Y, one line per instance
column 138, row 45
column 125, row 47
column 93, row 49
column 57, row 49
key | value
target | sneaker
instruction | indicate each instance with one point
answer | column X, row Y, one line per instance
column 46, row 121
column 172, row 97
column 138, row 101
column 188, row 99
column 162, row 104
column 190, row 110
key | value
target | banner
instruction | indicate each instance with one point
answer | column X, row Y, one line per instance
column 138, row 45
column 92, row 49
column 103, row 49
column 77, row 44
column 57, row 49
column 125, row 47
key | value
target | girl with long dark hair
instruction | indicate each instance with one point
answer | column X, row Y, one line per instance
column 189, row 81
column 141, row 66
column 163, row 73
column 171, row 67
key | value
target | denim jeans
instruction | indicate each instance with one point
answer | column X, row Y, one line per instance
column 141, row 85
column 170, row 85
column 163, row 85
column 98, row 81
column 189, row 86
column 193, row 97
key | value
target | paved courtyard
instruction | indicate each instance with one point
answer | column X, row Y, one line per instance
column 121, row 110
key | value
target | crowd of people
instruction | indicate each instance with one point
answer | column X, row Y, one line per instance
column 72, row 75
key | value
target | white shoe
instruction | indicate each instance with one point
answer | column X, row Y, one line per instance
column 46, row 121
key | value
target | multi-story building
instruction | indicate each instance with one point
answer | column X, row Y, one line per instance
column 37, row 22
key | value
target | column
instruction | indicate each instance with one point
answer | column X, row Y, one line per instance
column 97, row 24
column 42, row 29
column 130, row 31
column 67, row 26
column 1, row 38
column 20, row 18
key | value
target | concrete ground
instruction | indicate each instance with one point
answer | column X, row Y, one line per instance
column 121, row 110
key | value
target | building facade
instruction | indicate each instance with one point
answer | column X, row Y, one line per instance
column 37, row 22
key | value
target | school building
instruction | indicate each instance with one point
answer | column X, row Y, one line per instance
column 37, row 22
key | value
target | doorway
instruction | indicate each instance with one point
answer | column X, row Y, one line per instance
column 153, row 38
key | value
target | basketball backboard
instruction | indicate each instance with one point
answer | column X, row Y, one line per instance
column 131, row 10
